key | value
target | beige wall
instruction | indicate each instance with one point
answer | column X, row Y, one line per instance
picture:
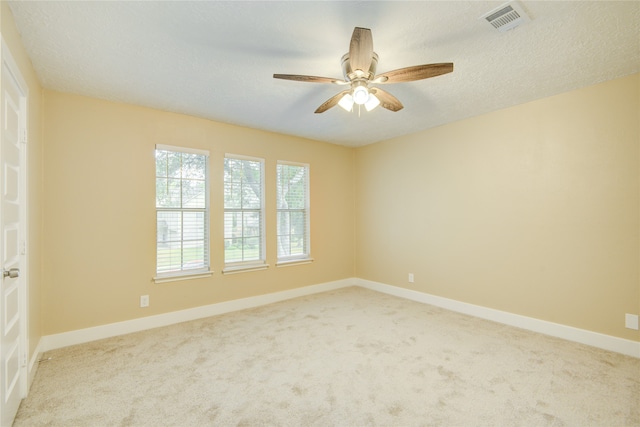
column 532, row 210
column 34, row 173
column 99, row 206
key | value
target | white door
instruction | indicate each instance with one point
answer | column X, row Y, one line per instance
column 12, row 289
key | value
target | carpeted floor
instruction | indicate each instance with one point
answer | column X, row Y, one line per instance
column 351, row 357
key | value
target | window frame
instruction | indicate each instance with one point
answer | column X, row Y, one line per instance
column 184, row 274
column 250, row 265
column 306, row 256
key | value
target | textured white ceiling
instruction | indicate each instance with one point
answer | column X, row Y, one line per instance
column 216, row 59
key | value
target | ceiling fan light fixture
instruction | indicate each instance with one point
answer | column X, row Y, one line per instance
column 359, row 69
column 360, row 94
column 346, row 102
column 372, row 102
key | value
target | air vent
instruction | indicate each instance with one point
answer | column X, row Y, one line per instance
column 506, row 17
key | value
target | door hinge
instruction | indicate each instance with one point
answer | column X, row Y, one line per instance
column 23, row 361
column 23, row 136
column 23, row 249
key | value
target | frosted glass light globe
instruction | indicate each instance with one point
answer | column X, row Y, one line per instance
column 360, row 95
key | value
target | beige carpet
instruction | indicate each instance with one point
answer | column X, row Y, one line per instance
column 351, row 357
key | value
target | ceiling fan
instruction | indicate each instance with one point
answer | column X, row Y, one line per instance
column 359, row 69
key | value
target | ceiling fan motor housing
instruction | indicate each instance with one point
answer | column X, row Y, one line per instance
column 352, row 75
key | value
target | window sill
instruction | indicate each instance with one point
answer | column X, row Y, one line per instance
column 183, row 276
column 244, row 268
column 289, row 262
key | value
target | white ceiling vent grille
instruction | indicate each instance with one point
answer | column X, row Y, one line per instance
column 506, row 17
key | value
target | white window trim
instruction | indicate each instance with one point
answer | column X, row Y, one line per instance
column 305, row 258
column 189, row 274
column 241, row 267
column 290, row 262
column 182, row 149
column 183, row 276
column 261, row 264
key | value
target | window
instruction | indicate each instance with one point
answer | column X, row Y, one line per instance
column 243, row 213
column 182, row 212
column 293, row 211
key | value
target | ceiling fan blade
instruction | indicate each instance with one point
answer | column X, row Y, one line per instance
column 361, row 49
column 331, row 102
column 309, row 79
column 417, row 72
column 387, row 100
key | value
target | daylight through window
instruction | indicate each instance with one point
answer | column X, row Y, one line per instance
column 182, row 211
column 243, row 211
column 293, row 211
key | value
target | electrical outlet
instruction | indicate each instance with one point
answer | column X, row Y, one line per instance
column 631, row 321
column 144, row 301
column 410, row 277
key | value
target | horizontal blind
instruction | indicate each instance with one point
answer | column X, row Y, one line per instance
column 243, row 210
column 292, row 195
column 182, row 210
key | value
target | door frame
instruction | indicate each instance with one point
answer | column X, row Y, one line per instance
column 8, row 60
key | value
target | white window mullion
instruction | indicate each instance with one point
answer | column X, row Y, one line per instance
column 182, row 230
column 292, row 196
column 244, row 203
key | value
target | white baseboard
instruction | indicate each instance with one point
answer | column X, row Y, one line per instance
column 33, row 364
column 594, row 339
column 65, row 339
